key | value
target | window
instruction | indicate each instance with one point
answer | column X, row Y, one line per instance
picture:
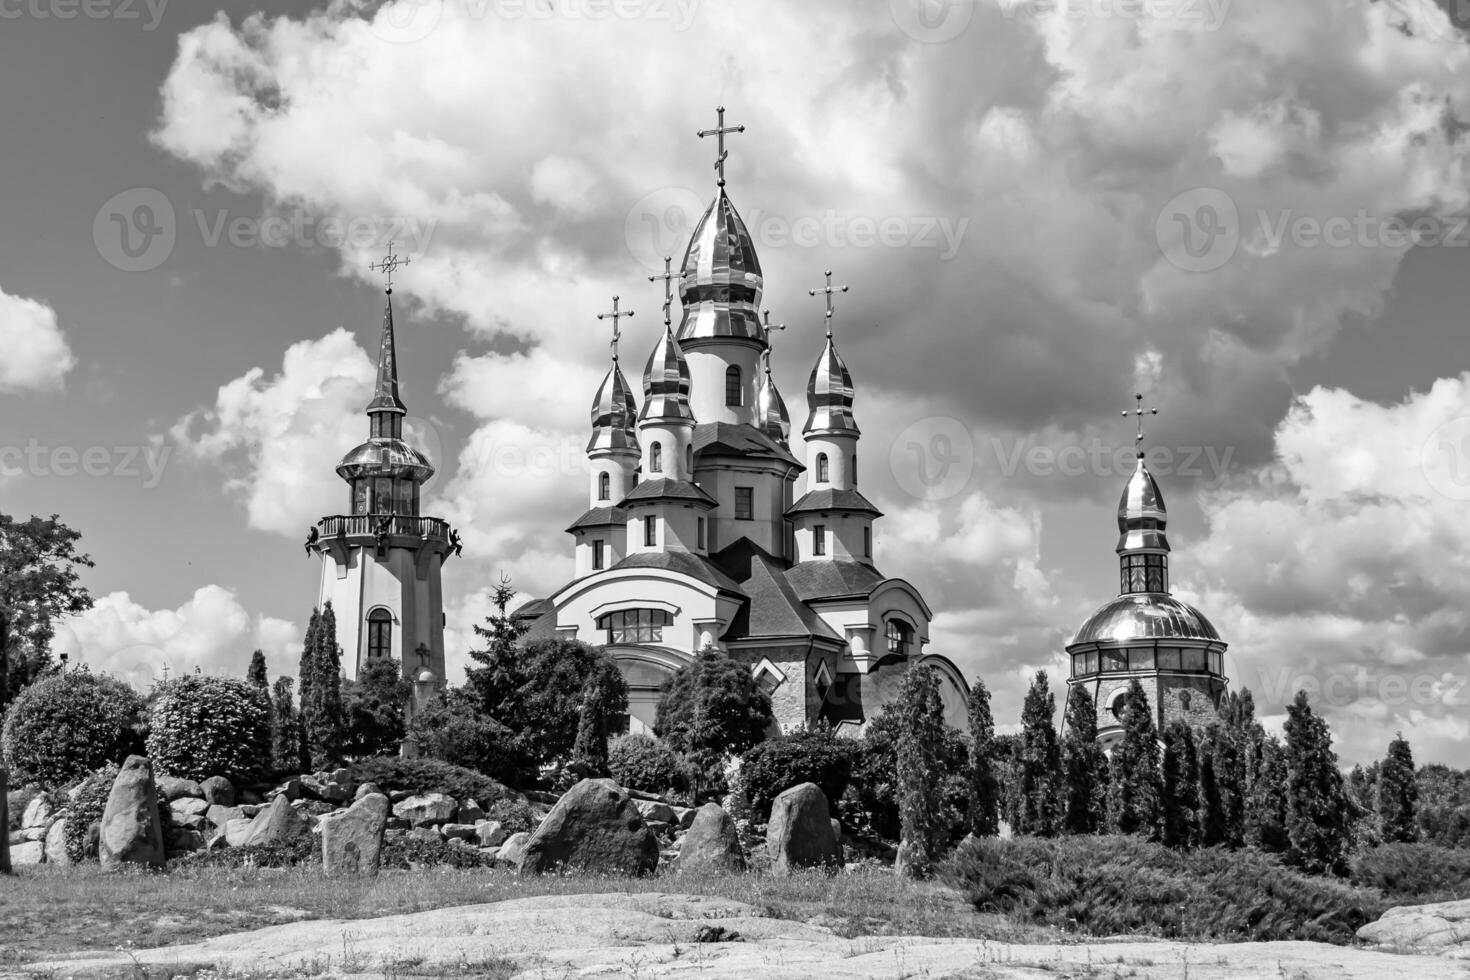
column 689, row 461
column 1194, row 660
column 650, row 531
column 656, row 458
column 380, row 634
column 852, row 471
column 819, row 539
column 604, row 486
column 1143, row 573
column 1115, row 660
column 745, row 503
column 900, row 637
column 1216, row 667
column 1079, row 664
column 732, row 385
column 1169, row 658
column 1092, row 662
column 1141, row 658
column 823, row 474
column 702, row 544
column 868, row 542
column 635, row 625
column 599, row 554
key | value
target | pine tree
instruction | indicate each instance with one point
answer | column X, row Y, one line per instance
column 1179, row 783
column 1398, row 794
column 306, row 672
column 920, row 770
column 256, row 674
column 497, row 678
column 1316, row 806
column 328, row 725
column 1038, row 792
column 285, row 729
column 1133, row 790
column 604, row 697
column 1265, row 810
column 1084, row 766
column 984, row 785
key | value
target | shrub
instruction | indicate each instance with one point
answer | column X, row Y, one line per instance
column 299, row 851
column 410, row 851
column 451, row 728
column 64, row 726
column 807, row 755
column 428, row 776
column 643, row 762
column 1413, row 873
column 713, row 705
column 211, row 726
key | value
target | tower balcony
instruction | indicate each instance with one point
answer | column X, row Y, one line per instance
column 339, row 535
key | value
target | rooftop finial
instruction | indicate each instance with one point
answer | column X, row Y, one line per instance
column 1140, row 411
column 387, row 265
column 829, row 290
column 719, row 131
column 669, row 275
column 615, row 315
column 766, row 322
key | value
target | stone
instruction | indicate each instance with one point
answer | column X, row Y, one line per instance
column 491, row 833
column 514, row 849
column 799, row 834
column 28, row 854
column 221, row 815
column 352, row 840
column 16, row 837
column 595, row 827
column 426, row 809
column 277, row 823
column 56, row 844
column 712, row 844
column 188, row 806
column 655, row 810
column 175, row 788
column 459, row 831
column 291, row 789
column 131, row 830
column 38, row 813
column 1441, row 929
column 685, row 816
column 469, row 812
column 366, row 789
column 218, row 789
column 237, row 830
column 195, row 821
column 33, row 834
column 327, row 790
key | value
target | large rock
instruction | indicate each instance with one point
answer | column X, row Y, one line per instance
column 426, row 810
column 38, row 815
column 352, row 841
column 459, row 831
column 222, row 815
column 277, row 823
column 236, row 831
column 799, row 834
column 30, row 853
column 131, row 832
column 1442, row 929
column 514, row 849
column 56, row 844
column 326, row 789
column 595, row 827
column 469, row 812
column 366, row 789
column 491, row 833
column 218, row 790
column 656, row 811
column 712, row 843
column 175, row 788
column 188, row 806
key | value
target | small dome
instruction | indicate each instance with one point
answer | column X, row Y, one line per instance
column 829, row 395
column 720, row 288
column 614, row 415
column 388, row 457
column 1145, row 616
column 1142, row 516
column 666, row 383
column 771, row 415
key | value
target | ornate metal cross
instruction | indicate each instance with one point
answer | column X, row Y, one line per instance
column 388, row 264
column 719, row 131
column 1140, row 411
column 766, row 321
column 669, row 275
column 829, row 290
column 616, row 315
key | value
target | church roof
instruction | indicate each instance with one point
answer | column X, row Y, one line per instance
column 720, row 287
column 772, row 608
column 666, row 489
column 600, row 517
column 840, row 578
column 821, row 500
column 1145, row 616
column 684, row 563
column 738, row 439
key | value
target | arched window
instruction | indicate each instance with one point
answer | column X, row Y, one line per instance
column 604, row 487
column 656, row 458
column 380, row 634
column 635, row 625
column 732, row 385
column 900, row 637
column 823, row 469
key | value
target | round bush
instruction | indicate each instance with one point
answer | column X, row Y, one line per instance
column 451, row 730
column 643, row 762
column 63, row 727
column 210, row 726
column 805, row 756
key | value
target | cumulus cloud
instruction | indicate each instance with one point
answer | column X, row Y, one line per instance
column 37, row 356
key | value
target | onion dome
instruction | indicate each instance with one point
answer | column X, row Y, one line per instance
column 1144, row 616
column 666, row 383
column 771, row 415
column 829, row 396
column 1141, row 514
column 386, row 454
column 720, row 286
column 614, row 415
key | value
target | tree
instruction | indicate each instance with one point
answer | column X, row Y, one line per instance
column 451, row 727
column 202, row 726
column 1039, row 809
column 67, row 724
column 1316, row 806
column 1221, row 790
column 1398, row 794
column 373, row 706
column 1179, row 785
column 984, row 786
column 712, row 706
column 496, row 678
column 306, row 671
column 1265, row 821
column 256, row 674
column 321, row 684
column 1084, row 766
column 604, row 699
column 921, row 772
column 287, row 743
column 39, row 584
column 1134, row 791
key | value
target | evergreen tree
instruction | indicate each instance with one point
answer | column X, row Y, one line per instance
column 1039, row 777
column 256, row 674
column 1179, row 786
column 373, row 709
column 920, row 767
column 286, row 743
column 1222, row 788
column 1134, row 791
column 1316, row 806
column 330, row 732
column 1398, row 795
column 1212, row 820
column 604, row 698
column 306, row 672
column 1265, row 820
column 1084, row 766
column 40, row 585
column 497, row 678
column 984, row 786
column 712, row 707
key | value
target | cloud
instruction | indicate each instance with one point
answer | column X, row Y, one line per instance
column 37, row 356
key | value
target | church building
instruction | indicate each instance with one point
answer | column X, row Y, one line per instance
column 695, row 536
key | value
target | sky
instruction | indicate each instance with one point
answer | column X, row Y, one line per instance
column 1253, row 213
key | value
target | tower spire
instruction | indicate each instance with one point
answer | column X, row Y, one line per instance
column 385, row 389
column 1143, row 542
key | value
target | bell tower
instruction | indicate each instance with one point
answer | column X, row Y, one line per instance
column 381, row 560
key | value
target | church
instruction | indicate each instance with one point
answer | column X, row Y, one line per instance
column 695, row 537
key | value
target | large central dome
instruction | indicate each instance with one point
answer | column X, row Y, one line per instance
column 1145, row 616
column 720, row 287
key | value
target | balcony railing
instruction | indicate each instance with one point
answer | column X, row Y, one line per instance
column 369, row 525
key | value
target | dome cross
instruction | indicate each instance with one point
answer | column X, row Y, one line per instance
column 719, row 132
column 616, row 314
column 668, row 276
column 388, row 263
column 766, row 322
column 1140, row 412
column 828, row 291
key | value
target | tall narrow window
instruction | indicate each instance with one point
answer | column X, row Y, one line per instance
column 702, row 545
column 604, row 487
column 745, row 503
column 650, row 531
column 819, row 539
column 823, row 470
column 656, row 458
column 599, row 554
column 380, row 634
column 868, row 542
column 732, row 385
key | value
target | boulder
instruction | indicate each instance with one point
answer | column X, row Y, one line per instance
column 327, row 790
column 131, row 831
column 1442, row 929
column 514, row 849
column 595, row 827
column 56, row 844
column 352, row 840
column 469, row 812
column 291, row 789
column 460, row 831
column 491, row 833
column 799, row 834
column 426, row 810
column 25, row 855
column 237, row 830
column 34, row 833
column 175, row 788
column 277, row 823
column 712, row 843
column 218, row 789
column 655, row 811
column 366, row 789
column 221, row 815
column 194, row 821
column 38, row 813
column 188, row 806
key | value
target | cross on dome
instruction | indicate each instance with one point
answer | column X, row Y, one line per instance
column 1140, row 411
column 719, row 132
column 828, row 291
column 386, row 266
column 615, row 316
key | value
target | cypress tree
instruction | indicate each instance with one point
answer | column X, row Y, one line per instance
column 329, row 725
column 1398, row 794
column 1038, row 791
column 305, row 674
column 1179, row 785
column 604, row 696
column 984, row 786
column 285, row 729
column 1133, row 790
column 1084, row 766
column 1222, row 788
column 1316, row 806
column 1265, row 821
column 920, row 772
column 256, row 674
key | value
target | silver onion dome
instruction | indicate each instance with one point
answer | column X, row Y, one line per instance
column 772, row 418
column 829, row 395
column 614, row 415
column 720, row 286
column 1145, row 616
column 1142, row 517
column 666, row 383
column 387, row 457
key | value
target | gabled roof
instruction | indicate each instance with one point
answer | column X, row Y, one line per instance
column 664, row 489
column 772, row 607
column 600, row 517
column 732, row 439
column 683, row 562
column 822, row 500
column 839, row 578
